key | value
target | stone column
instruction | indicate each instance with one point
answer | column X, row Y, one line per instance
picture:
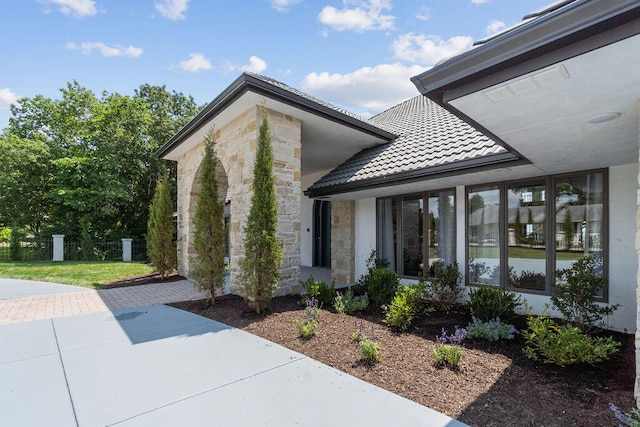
column 126, row 250
column 343, row 241
column 58, row 247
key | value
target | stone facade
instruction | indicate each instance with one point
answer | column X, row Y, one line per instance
column 343, row 242
column 235, row 147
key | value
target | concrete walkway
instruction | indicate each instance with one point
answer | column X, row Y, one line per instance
column 160, row 366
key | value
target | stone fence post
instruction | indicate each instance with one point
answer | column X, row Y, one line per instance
column 58, row 247
column 126, row 250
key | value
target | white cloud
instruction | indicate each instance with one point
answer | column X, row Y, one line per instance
column 75, row 8
column 358, row 15
column 495, row 26
column 366, row 91
column 423, row 14
column 7, row 98
column 196, row 62
column 255, row 65
column 428, row 50
column 108, row 51
column 172, row 9
column 479, row 1
column 283, row 5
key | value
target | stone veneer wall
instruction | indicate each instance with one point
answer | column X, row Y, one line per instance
column 235, row 146
column 343, row 233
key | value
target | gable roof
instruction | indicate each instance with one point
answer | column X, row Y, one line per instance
column 431, row 142
column 279, row 92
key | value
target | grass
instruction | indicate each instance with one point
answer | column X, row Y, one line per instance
column 520, row 252
column 89, row 274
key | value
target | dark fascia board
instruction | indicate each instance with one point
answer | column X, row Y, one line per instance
column 576, row 28
column 433, row 172
column 247, row 82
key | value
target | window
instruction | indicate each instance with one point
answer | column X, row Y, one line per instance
column 519, row 233
column 483, row 231
column 416, row 230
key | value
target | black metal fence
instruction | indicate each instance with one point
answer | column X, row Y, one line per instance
column 41, row 249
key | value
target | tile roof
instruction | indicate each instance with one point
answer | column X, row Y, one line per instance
column 431, row 140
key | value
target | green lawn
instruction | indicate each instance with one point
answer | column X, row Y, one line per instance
column 519, row 252
column 89, row 274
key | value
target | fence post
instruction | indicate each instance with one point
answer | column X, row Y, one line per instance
column 126, row 250
column 58, row 247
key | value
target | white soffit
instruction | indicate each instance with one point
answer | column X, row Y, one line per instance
column 545, row 115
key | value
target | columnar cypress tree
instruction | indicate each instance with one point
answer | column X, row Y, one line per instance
column 263, row 254
column 209, row 234
column 160, row 229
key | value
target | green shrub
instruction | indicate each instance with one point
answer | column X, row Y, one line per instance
column 381, row 286
column 370, row 350
column 565, row 344
column 323, row 292
column 349, row 303
column 15, row 250
column 444, row 288
column 575, row 291
column 5, row 235
column 399, row 313
column 488, row 303
column 493, row 330
column 408, row 302
column 308, row 328
column 447, row 355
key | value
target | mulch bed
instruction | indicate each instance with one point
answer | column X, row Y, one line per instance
column 495, row 385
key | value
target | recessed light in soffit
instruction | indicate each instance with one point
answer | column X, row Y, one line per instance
column 530, row 83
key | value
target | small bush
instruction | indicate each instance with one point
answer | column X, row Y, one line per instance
column 348, row 303
column 575, row 292
column 309, row 327
column 488, row 303
column 444, row 288
column 381, row 286
column 15, row 252
column 370, row 350
column 565, row 345
column 400, row 312
column 408, row 302
column 323, row 292
column 493, row 330
column 447, row 355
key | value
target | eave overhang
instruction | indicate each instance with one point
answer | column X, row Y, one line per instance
column 568, row 31
column 250, row 83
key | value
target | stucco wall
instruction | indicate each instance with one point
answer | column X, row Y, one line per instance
column 365, row 234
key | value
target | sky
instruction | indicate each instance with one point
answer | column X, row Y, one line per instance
column 355, row 54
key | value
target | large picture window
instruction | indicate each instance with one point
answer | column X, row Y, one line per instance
column 519, row 233
column 416, row 230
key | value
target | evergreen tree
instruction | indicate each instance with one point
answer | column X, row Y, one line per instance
column 209, row 234
column 160, row 229
column 263, row 254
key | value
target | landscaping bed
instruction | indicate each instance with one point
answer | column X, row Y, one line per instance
column 495, row 384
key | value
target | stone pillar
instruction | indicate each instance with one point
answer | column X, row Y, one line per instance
column 343, row 241
column 126, row 250
column 58, row 247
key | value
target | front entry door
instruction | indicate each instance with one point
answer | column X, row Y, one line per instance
column 322, row 233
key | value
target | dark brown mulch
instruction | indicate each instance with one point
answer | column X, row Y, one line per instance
column 142, row 279
column 496, row 385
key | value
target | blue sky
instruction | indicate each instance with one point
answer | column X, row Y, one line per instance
column 356, row 54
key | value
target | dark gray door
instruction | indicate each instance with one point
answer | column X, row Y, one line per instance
column 322, row 233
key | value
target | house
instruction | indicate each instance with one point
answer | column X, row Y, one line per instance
column 518, row 157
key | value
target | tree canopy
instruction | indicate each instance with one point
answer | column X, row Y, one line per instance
column 87, row 163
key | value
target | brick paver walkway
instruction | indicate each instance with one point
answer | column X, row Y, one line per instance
column 38, row 307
